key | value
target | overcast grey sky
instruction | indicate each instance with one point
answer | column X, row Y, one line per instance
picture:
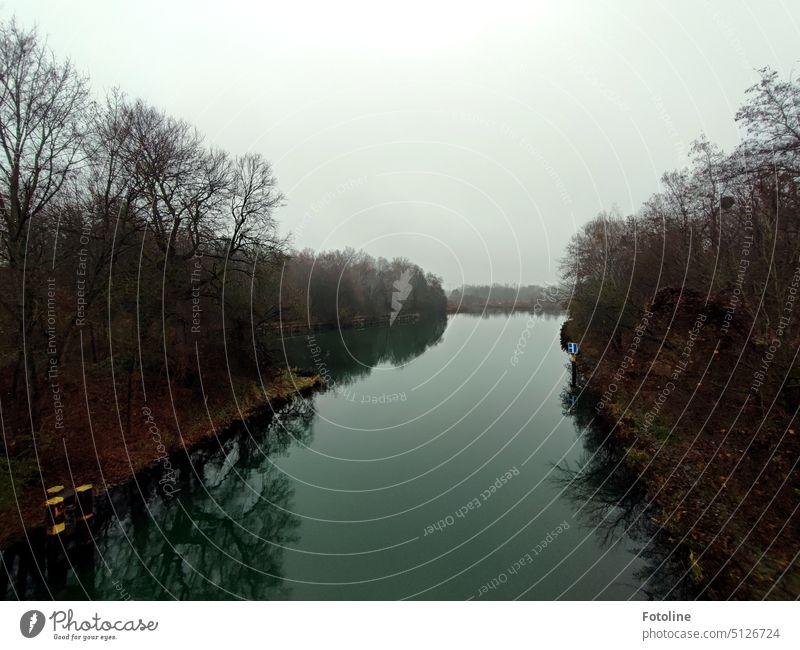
column 472, row 137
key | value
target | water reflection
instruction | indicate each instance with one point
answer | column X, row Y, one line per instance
column 348, row 355
column 225, row 532
column 228, row 531
column 614, row 502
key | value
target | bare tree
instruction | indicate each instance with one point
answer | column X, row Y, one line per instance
column 42, row 109
column 252, row 199
column 772, row 118
column 179, row 184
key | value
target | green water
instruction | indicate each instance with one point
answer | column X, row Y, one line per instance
column 432, row 467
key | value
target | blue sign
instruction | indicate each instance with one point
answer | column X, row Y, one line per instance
column 572, row 348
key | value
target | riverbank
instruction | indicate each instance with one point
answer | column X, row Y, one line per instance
column 256, row 496
column 301, row 328
column 106, row 443
column 720, row 465
column 505, row 308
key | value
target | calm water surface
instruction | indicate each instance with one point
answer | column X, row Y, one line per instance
column 437, row 465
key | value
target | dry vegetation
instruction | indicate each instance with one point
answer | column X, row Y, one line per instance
column 689, row 329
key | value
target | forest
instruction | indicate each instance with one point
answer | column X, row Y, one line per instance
column 337, row 286
column 687, row 318
column 532, row 297
column 727, row 227
column 140, row 265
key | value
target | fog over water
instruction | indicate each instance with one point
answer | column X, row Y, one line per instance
column 473, row 138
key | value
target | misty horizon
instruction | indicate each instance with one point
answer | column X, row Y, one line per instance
column 429, row 301
column 474, row 143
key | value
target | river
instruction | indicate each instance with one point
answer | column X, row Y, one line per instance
column 439, row 463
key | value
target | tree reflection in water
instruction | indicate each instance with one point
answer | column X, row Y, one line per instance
column 613, row 501
column 348, row 355
column 224, row 533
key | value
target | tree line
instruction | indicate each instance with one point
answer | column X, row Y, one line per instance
column 129, row 245
column 473, row 297
column 726, row 227
column 338, row 286
column 687, row 315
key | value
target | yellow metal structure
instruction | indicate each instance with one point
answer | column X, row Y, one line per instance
column 54, row 516
column 84, row 497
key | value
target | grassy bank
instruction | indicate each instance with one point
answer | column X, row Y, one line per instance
column 108, row 439
column 720, row 464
